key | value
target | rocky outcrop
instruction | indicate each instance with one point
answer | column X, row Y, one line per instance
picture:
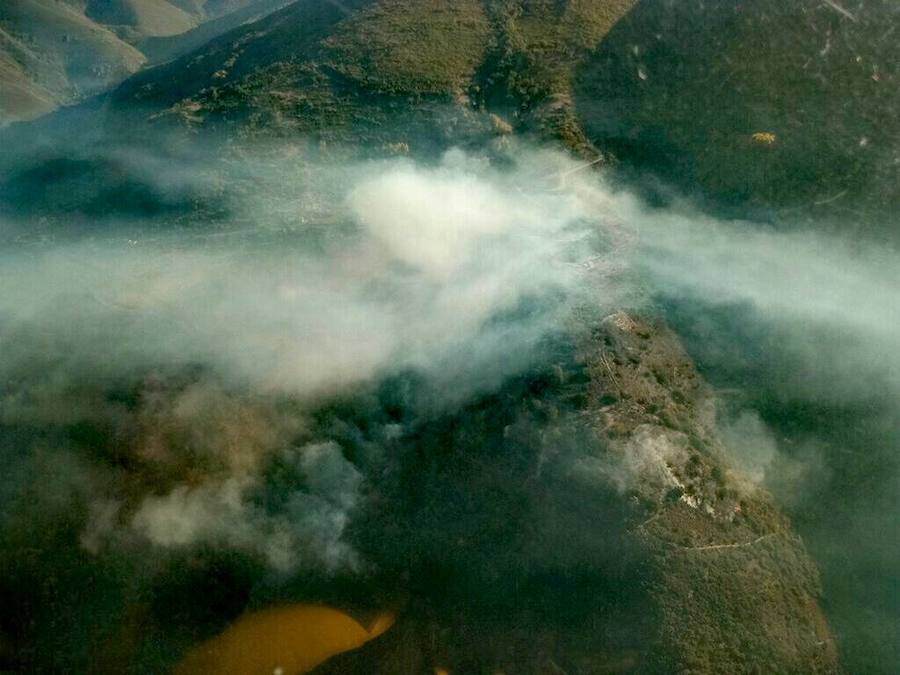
column 736, row 590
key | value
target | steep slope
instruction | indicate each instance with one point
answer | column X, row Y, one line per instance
column 764, row 107
column 423, row 76
column 23, row 97
column 53, row 53
column 162, row 49
column 313, row 69
column 140, row 18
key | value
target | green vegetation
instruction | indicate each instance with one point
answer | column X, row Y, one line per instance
column 768, row 108
column 310, row 70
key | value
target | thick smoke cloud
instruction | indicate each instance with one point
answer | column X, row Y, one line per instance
column 837, row 292
column 309, row 530
column 350, row 273
column 456, row 271
column 426, row 259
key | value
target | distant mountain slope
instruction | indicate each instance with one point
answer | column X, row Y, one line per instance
column 54, row 52
column 23, row 97
column 51, row 53
column 160, row 49
column 141, row 17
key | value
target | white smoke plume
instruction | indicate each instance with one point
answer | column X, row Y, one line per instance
column 455, row 271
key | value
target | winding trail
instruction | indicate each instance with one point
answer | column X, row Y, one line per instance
column 717, row 547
